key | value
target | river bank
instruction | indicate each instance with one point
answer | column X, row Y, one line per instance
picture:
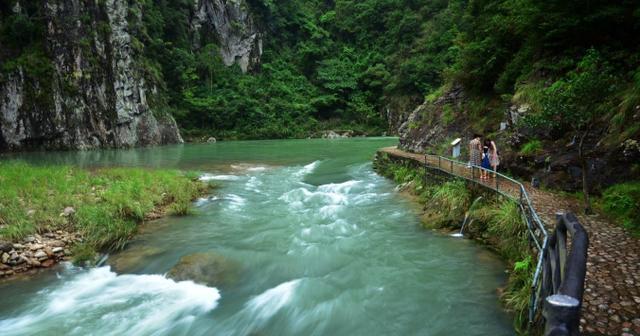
column 448, row 203
column 611, row 281
column 54, row 213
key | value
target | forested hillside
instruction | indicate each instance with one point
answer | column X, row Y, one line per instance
column 366, row 64
column 279, row 69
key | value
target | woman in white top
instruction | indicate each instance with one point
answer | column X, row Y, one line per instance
column 494, row 159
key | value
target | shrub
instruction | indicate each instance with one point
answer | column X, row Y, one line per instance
column 622, row 202
column 532, row 147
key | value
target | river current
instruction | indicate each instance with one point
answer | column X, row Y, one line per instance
column 319, row 243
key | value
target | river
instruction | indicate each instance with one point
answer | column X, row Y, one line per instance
column 320, row 245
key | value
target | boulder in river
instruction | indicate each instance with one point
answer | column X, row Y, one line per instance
column 134, row 257
column 208, row 268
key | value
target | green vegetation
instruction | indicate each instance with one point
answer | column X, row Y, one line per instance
column 622, row 202
column 341, row 64
column 531, row 148
column 108, row 203
column 503, row 224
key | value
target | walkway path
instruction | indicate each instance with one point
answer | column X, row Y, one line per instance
column 612, row 288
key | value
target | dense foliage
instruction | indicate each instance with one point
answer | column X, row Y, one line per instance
column 349, row 63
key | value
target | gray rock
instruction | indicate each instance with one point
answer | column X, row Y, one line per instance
column 425, row 126
column 108, row 105
column 5, row 257
column 68, row 211
column 5, row 246
column 57, row 250
column 40, row 255
column 36, row 247
column 238, row 36
column 210, row 269
column 211, row 140
column 56, row 243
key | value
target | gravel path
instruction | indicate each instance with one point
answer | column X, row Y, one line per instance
column 611, row 304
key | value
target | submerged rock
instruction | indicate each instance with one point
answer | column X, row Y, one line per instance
column 208, row 268
column 133, row 257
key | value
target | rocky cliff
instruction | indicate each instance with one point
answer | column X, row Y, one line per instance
column 433, row 125
column 85, row 83
column 231, row 24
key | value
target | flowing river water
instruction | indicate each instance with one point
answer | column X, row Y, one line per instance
column 319, row 245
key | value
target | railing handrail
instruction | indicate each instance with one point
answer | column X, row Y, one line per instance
column 564, row 299
column 540, row 240
column 563, row 283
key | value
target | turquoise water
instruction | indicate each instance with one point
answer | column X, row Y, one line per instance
column 320, row 245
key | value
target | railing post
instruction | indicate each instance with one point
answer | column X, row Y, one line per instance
column 439, row 162
column 424, row 180
column 562, row 313
column 451, row 167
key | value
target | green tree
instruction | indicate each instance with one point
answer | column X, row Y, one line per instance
column 579, row 103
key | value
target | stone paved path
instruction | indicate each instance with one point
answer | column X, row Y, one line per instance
column 611, row 304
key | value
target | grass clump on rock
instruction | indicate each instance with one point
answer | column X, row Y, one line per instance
column 105, row 205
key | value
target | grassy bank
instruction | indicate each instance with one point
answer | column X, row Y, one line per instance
column 622, row 203
column 104, row 205
column 495, row 222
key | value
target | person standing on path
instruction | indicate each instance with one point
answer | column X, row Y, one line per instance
column 494, row 159
column 486, row 163
column 475, row 151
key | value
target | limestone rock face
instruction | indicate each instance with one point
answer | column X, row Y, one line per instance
column 427, row 126
column 95, row 93
column 231, row 23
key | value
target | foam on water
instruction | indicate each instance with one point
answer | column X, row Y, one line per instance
column 308, row 169
column 267, row 304
column 211, row 177
column 99, row 301
column 258, row 311
column 204, row 200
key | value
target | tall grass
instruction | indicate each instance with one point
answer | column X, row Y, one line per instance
column 508, row 230
column 109, row 203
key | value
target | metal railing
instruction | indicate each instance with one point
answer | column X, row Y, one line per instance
column 513, row 190
column 560, row 282
column 563, row 277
